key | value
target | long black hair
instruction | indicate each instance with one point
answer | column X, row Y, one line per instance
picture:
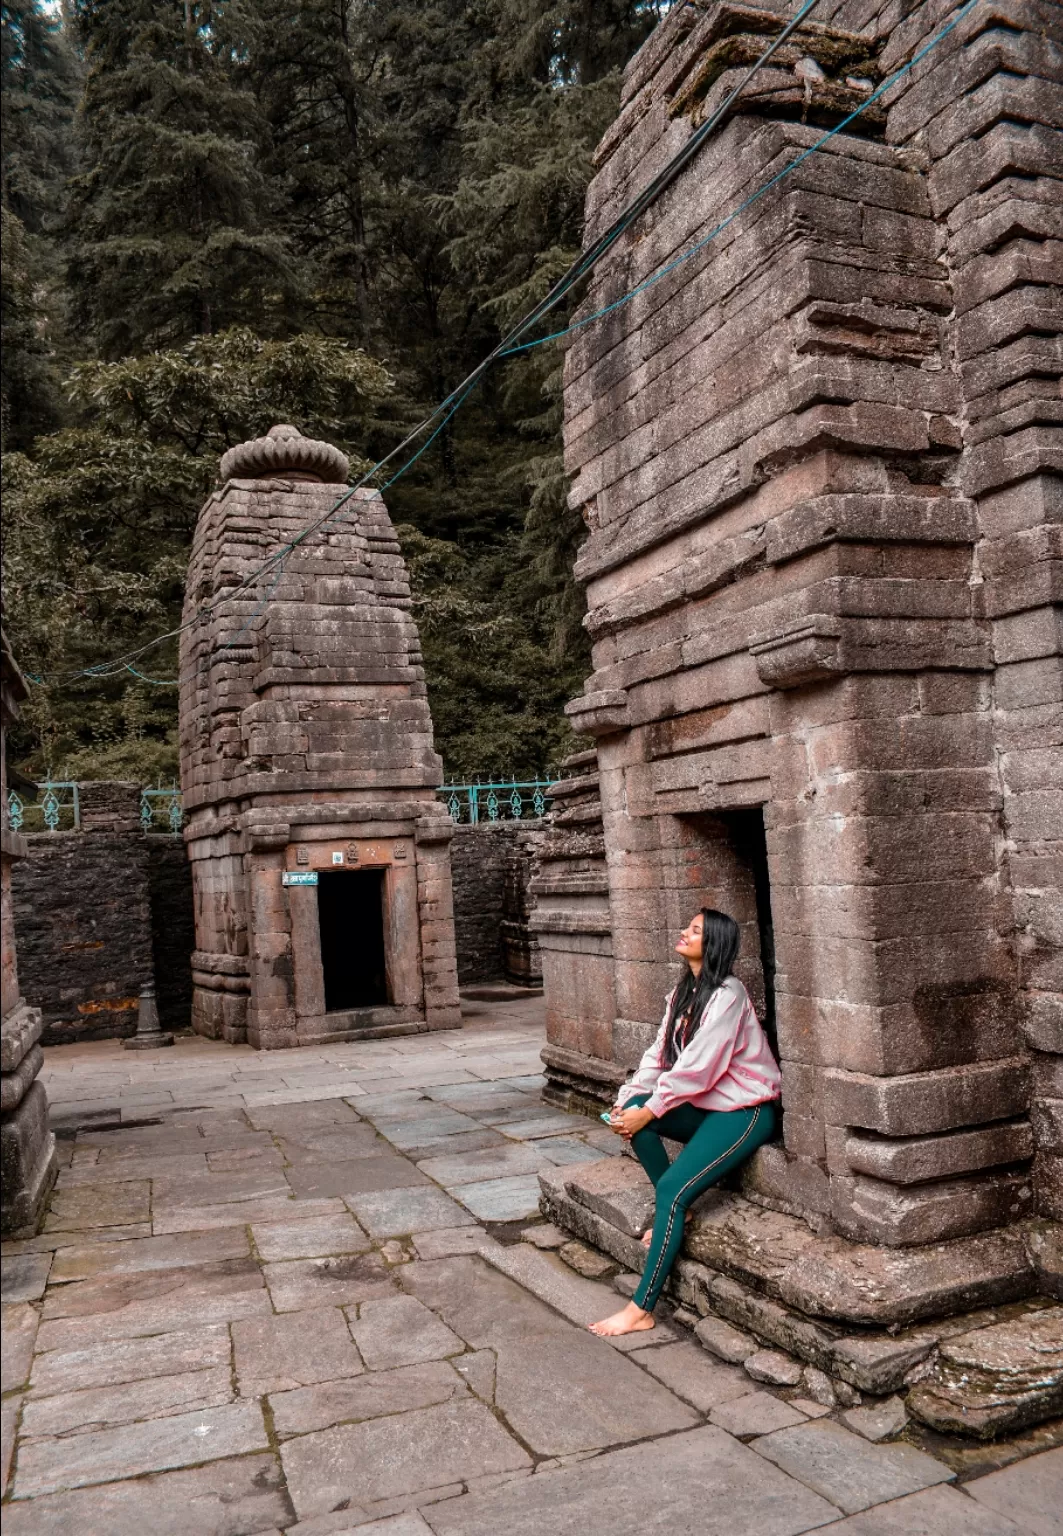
column 720, row 938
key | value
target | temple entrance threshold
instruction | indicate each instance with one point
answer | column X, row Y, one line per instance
column 350, row 910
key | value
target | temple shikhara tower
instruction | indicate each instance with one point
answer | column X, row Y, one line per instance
column 818, row 464
column 319, row 851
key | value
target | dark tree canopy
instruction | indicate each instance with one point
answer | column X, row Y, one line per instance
column 170, row 229
column 396, row 180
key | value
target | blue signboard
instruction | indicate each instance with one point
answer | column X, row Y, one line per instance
column 300, row 877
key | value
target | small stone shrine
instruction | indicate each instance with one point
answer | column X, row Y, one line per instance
column 27, row 1147
column 818, row 463
column 320, row 854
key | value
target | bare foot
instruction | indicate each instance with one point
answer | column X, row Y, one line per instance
column 631, row 1319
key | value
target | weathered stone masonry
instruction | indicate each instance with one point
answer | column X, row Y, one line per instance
column 99, row 911
column 493, row 865
column 819, row 469
column 27, row 1147
column 306, row 750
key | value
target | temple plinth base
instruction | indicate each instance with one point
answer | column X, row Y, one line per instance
column 965, row 1331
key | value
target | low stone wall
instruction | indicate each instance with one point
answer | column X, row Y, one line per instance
column 83, row 920
column 99, row 912
column 492, row 867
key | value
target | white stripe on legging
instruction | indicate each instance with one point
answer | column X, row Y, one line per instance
column 680, row 1193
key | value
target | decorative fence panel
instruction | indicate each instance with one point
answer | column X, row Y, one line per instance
column 504, row 800
column 161, row 810
column 56, row 808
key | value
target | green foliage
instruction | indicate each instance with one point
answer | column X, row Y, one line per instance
column 170, row 222
column 99, row 522
column 39, row 81
column 307, row 180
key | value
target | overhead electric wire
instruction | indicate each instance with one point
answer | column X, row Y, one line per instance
column 447, row 407
column 506, row 347
column 787, row 170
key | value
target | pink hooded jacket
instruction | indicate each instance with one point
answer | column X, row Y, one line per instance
column 727, row 1064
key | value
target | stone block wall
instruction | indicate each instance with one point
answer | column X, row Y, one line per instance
column 492, row 869
column 586, row 1054
column 100, row 911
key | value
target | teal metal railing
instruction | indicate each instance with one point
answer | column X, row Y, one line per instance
column 57, row 806
column 55, row 809
column 161, row 810
column 502, row 800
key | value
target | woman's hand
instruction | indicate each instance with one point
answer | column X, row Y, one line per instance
column 628, row 1122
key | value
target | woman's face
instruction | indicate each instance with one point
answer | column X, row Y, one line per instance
column 689, row 945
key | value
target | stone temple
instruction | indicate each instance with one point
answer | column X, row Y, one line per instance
column 818, row 463
column 319, row 852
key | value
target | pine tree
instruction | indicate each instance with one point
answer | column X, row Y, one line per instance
column 310, row 86
column 39, row 83
column 171, row 222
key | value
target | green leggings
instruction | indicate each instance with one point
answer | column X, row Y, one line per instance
column 716, row 1141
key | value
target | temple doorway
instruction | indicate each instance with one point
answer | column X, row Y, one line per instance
column 721, row 860
column 746, row 834
column 350, row 908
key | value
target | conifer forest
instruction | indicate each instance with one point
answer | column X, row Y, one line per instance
column 222, row 214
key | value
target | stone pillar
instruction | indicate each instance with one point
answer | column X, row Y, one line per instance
column 435, row 903
column 27, row 1146
column 584, row 1059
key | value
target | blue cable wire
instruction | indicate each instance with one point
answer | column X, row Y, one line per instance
column 787, row 170
column 156, row 682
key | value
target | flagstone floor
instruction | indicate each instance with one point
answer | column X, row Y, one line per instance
column 304, row 1291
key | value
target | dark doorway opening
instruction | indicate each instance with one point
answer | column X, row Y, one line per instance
column 350, row 913
column 747, row 838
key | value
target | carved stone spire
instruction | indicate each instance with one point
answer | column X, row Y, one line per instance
column 285, row 451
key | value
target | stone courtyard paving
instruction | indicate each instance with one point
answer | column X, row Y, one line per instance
column 309, row 1291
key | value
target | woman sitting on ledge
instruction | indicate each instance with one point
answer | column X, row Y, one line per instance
column 708, row 1080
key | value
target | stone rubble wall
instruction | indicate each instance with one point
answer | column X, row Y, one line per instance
column 492, row 867
column 99, row 912
column 28, row 1158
